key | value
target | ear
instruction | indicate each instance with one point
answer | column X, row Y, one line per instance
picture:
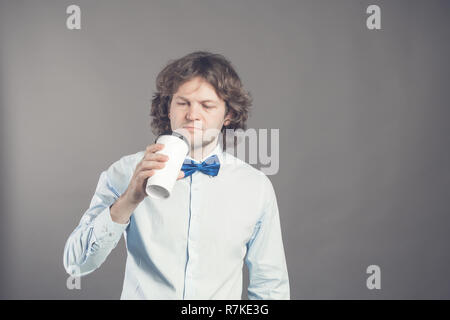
column 227, row 119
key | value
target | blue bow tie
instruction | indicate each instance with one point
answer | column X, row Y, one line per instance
column 210, row 166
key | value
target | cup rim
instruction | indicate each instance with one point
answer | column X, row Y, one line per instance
column 175, row 134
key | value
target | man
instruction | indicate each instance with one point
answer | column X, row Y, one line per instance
column 191, row 245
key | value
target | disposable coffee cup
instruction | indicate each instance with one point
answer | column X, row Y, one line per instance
column 176, row 147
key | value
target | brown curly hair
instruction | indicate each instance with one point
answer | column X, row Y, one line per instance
column 217, row 71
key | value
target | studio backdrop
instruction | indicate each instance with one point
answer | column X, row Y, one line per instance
column 355, row 94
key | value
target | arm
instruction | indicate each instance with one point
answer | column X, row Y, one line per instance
column 265, row 259
column 109, row 213
column 97, row 234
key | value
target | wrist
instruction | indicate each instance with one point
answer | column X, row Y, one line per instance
column 128, row 199
column 122, row 209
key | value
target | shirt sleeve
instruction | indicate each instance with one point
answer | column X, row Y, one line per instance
column 97, row 234
column 265, row 259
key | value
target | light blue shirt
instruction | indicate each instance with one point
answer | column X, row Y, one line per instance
column 193, row 244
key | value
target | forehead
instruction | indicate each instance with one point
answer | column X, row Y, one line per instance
column 197, row 89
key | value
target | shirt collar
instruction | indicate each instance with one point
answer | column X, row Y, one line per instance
column 217, row 151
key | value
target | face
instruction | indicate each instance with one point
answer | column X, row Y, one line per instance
column 198, row 113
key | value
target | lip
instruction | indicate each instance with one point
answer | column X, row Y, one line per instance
column 192, row 128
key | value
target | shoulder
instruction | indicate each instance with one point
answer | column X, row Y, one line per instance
column 127, row 162
column 254, row 183
column 119, row 173
column 246, row 171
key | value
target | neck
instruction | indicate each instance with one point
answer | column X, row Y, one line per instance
column 198, row 153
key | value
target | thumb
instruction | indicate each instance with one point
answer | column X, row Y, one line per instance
column 180, row 175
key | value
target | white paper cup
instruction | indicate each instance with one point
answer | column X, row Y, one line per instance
column 176, row 147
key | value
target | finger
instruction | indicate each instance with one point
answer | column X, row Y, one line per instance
column 156, row 157
column 151, row 164
column 145, row 174
column 154, row 147
column 180, row 175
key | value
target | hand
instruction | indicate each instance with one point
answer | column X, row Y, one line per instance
column 151, row 161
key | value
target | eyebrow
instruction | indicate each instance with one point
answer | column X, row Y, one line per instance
column 181, row 97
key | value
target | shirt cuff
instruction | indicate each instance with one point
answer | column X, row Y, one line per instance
column 106, row 230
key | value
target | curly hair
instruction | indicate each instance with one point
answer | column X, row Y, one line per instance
column 217, row 71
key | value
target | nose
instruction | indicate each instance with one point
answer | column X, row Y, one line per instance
column 193, row 112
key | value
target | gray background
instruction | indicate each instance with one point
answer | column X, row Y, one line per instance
column 363, row 116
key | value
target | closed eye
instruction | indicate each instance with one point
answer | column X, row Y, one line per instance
column 183, row 104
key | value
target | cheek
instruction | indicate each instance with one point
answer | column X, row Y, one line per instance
column 174, row 115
